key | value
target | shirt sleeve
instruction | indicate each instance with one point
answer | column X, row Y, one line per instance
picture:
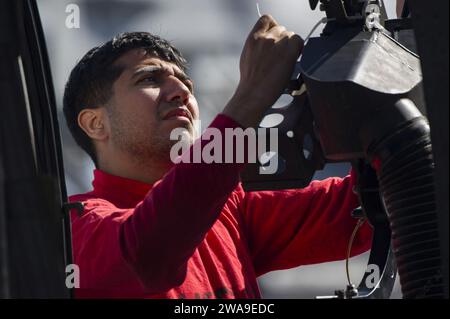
column 291, row 228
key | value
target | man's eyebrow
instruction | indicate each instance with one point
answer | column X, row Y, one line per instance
column 159, row 69
column 148, row 69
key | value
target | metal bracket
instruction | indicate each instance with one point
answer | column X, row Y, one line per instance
column 67, row 207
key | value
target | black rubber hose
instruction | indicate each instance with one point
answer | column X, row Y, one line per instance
column 404, row 164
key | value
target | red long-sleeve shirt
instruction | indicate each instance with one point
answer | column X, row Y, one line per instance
column 197, row 234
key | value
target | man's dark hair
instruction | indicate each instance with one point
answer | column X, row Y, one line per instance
column 90, row 83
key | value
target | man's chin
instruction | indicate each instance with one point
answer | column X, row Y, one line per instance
column 181, row 133
column 181, row 121
column 178, row 122
column 173, row 124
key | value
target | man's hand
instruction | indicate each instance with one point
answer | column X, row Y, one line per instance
column 266, row 65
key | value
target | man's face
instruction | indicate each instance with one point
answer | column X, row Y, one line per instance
column 150, row 99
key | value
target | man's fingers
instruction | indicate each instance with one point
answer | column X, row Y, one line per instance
column 295, row 40
column 298, row 41
column 288, row 34
column 277, row 31
column 265, row 23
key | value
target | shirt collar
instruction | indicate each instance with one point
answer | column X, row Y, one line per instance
column 121, row 191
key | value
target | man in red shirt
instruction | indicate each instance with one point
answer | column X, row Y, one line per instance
column 155, row 229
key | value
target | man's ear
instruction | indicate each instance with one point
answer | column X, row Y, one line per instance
column 94, row 122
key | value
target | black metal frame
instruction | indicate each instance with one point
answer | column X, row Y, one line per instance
column 35, row 244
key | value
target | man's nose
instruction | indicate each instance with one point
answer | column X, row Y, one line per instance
column 177, row 90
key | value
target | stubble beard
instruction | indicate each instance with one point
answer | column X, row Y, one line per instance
column 145, row 149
